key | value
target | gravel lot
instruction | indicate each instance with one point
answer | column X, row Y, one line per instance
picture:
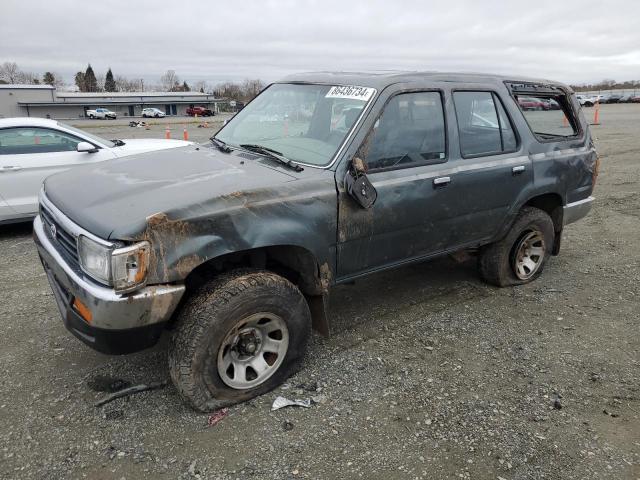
column 429, row 373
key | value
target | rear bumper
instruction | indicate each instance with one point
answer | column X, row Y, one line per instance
column 572, row 212
column 119, row 323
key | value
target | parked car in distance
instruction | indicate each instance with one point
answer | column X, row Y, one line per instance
column 102, row 113
column 612, row 98
column 153, row 112
column 586, row 100
column 634, row 98
column 529, row 103
column 33, row 148
column 200, row 111
column 626, row 98
column 235, row 244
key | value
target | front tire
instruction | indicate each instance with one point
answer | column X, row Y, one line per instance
column 239, row 336
column 521, row 255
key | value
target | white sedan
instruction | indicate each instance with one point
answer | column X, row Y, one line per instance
column 31, row 149
column 153, row 112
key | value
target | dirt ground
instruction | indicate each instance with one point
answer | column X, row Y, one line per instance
column 429, row 373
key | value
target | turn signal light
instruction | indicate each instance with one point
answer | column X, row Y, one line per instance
column 82, row 309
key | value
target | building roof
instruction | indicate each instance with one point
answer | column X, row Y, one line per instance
column 19, row 86
column 130, row 94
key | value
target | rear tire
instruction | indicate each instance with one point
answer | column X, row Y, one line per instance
column 239, row 336
column 521, row 255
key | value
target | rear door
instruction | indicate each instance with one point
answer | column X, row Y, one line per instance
column 28, row 155
column 489, row 169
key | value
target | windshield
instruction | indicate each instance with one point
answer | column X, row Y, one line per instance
column 94, row 138
column 305, row 123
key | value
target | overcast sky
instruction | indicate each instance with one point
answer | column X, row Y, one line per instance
column 569, row 41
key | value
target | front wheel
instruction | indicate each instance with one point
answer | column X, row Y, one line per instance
column 239, row 336
column 522, row 254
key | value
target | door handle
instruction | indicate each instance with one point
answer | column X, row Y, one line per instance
column 10, row 168
column 518, row 170
column 441, row 181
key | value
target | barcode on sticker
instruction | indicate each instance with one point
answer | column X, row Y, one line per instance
column 351, row 91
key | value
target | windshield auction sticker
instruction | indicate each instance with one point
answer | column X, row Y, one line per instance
column 351, row 92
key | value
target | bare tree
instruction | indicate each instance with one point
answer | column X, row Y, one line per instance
column 9, row 72
column 251, row 88
column 202, row 87
column 169, row 81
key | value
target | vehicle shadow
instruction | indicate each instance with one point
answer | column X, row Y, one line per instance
column 12, row 230
column 434, row 284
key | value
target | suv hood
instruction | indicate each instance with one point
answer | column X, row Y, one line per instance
column 114, row 199
column 141, row 145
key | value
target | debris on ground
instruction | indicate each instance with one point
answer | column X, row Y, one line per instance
column 137, row 124
column 217, row 416
column 282, row 402
column 101, row 383
column 130, row 391
column 287, row 426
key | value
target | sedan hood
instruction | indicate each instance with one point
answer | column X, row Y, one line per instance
column 141, row 145
column 114, row 199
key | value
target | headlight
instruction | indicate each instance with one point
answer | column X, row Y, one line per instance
column 123, row 268
column 129, row 266
column 95, row 259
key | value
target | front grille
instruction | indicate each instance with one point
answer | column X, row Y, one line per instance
column 64, row 241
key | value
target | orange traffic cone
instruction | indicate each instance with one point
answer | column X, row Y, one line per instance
column 185, row 134
column 167, row 133
column 596, row 114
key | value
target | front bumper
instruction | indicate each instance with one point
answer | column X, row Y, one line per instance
column 120, row 323
column 572, row 212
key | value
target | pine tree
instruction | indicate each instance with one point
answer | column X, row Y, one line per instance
column 185, row 87
column 80, row 82
column 109, row 82
column 90, row 82
column 49, row 78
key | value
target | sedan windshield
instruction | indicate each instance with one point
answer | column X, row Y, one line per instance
column 305, row 123
column 88, row 136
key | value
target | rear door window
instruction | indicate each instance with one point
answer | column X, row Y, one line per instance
column 483, row 125
column 548, row 116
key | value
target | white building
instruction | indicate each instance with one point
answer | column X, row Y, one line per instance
column 46, row 101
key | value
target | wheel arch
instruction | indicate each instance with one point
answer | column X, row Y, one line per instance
column 295, row 263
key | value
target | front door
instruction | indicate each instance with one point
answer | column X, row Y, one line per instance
column 404, row 152
column 29, row 155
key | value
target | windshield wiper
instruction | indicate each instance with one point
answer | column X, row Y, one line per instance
column 117, row 143
column 223, row 147
column 273, row 154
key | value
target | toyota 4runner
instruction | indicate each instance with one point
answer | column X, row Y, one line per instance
column 322, row 179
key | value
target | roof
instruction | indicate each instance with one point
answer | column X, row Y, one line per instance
column 382, row 79
column 27, row 122
column 20, row 86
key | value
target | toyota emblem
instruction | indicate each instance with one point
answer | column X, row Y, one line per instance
column 53, row 230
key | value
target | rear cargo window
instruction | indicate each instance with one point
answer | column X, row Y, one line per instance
column 483, row 125
column 548, row 116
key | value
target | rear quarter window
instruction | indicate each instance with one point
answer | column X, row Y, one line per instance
column 549, row 116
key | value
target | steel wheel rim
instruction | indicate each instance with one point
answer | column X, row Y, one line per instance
column 253, row 350
column 529, row 254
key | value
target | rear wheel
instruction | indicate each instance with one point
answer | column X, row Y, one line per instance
column 522, row 254
column 241, row 335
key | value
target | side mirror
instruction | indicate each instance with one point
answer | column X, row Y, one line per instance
column 358, row 185
column 86, row 147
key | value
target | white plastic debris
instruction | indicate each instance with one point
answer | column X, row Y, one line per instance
column 281, row 402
